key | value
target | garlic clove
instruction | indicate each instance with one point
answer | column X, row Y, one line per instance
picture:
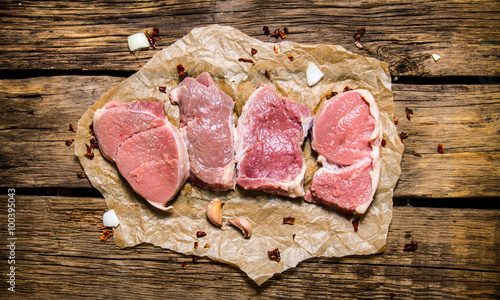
column 243, row 225
column 214, row 212
column 313, row 74
column 109, row 219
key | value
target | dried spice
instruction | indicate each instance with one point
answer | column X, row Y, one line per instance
column 276, row 33
column 412, row 246
column 195, row 245
column 91, row 128
column 286, row 30
column 282, row 34
column 440, row 148
column 266, row 30
column 396, row 122
column 403, row 135
column 416, row 153
column 200, row 234
column 267, row 74
column 106, row 234
column 184, row 265
column 247, row 60
column 93, row 143
column 331, row 94
column 81, row 175
column 181, row 72
column 253, row 51
column 89, row 154
column 346, row 88
column 408, row 112
column 275, row 49
column 71, row 128
column 383, row 143
column 357, row 36
column 153, row 37
column 293, row 237
column 206, row 246
column 162, row 89
column 69, row 142
column 274, row 255
column 355, row 223
column 290, row 57
column 289, row 220
column 194, row 258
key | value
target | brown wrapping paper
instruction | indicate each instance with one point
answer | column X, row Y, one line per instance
column 317, row 231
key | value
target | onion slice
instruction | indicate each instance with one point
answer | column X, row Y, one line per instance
column 137, row 41
column 109, row 219
column 314, row 74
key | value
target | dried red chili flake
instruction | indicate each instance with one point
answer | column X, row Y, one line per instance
column 290, row 57
column 162, row 89
column 416, row 153
column 275, row 49
column 274, row 255
column 408, row 112
column 403, row 135
column 194, row 258
column 71, row 128
column 361, row 30
column 282, row 34
column 440, row 148
column 246, row 60
column 253, row 51
column 396, row 122
column 357, row 36
column 289, row 220
column 383, row 143
column 184, row 265
column 268, row 75
column 91, row 128
column 93, row 143
column 285, row 30
column 206, row 246
column 331, row 94
column 154, row 37
column 89, row 153
column 180, row 71
column 412, row 246
column 346, row 88
column 106, row 234
column 200, row 234
column 195, row 245
column 266, row 30
column 80, row 175
column 355, row 223
column 276, row 33
column 156, row 31
column 69, row 142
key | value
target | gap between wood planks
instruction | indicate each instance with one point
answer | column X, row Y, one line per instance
column 24, row 74
column 479, row 203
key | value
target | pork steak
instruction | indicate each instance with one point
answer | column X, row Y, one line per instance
column 207, row 125
column 269, row 137
column 346, row 135
column 148, row 150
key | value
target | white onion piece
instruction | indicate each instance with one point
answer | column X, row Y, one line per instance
column 109, row 219
column 314, row 74
column 436, row 57
column 137, row 41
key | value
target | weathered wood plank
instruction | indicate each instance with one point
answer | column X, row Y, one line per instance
column 58, row 253
column 91, row 35
column 35, row 114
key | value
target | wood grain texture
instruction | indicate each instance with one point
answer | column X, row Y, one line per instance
column 58, row 254
column 35, row 114
column 91, row 35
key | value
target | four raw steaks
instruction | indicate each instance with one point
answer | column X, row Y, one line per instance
column 264, row 152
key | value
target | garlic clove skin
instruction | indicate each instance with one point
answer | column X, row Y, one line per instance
column 313, row 74
column 109, row 219
column 214, row 212
column 243, row 225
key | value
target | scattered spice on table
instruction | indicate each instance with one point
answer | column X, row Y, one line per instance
column 266, row 30
column 184, row 265
column 71, row 128
column 274, row 254
column 403, row 135
column 416, row 153
column 81, row 175
column 289, row 220
column 69, row 142
column 440, row 148
column 153, row 37
column 409, row 113
column 412, row 246
column 357, row 37
column 194, row 258
column 106, row 234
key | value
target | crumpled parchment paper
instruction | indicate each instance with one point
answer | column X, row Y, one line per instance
column 317, row 231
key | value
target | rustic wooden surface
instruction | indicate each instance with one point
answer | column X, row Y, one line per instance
column 59, row 57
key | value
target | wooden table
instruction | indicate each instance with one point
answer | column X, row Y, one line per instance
column 59, row 57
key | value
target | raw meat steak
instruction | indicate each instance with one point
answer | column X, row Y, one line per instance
column 269, row 137
column 207, row 125
column 347, row 135
column 117, row 121
column 147, row 149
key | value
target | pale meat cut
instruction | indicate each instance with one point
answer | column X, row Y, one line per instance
column 207, row 125
column 269, row 137
column 148, row 150
column 346, row 135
